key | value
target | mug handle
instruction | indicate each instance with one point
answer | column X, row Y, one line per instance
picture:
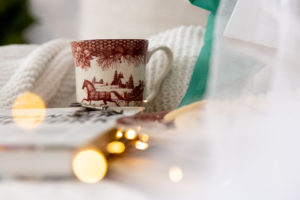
column 157, row 85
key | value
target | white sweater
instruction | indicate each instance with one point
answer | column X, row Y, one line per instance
column 48, row 69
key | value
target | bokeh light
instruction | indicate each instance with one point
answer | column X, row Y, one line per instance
column 115, row 147
column 139, row 128
column 144, row 137
column 175, row 174
column 119, row 134
column 89, row 166
column 28, row 110
column 130, row 134
column 141, row 145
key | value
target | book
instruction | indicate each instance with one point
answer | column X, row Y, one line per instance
column 47, row 150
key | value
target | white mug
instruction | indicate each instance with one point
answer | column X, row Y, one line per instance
column 112, row 71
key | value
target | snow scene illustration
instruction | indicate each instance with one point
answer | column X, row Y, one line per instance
column 117, row 91
column 111, row 76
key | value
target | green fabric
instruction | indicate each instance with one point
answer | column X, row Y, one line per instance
column 210, row 5
column 15, row 18
column 197, row 86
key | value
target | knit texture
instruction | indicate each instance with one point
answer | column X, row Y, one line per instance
column 41, row 71
column 185, row 43
column 48, row 69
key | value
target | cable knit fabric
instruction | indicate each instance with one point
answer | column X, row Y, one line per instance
column 48, row 69
column 185, row 43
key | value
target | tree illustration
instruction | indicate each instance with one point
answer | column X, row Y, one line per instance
column 115, row 80
column 130, row 82
column 120, row 76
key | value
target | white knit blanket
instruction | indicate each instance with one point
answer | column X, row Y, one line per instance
column 48, row 69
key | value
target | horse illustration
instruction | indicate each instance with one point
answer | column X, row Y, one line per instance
column 93, row 95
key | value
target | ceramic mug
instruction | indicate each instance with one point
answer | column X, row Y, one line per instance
column 112, row 71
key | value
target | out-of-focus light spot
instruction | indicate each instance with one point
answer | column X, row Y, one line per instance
column 119, row 134
column 145, row 101
column 139, row 128
column 89, row 166
column 130, row 134
column 115, row 147
column 28, row 110
column 141, row 145
column 144, row 137
column 175, row 174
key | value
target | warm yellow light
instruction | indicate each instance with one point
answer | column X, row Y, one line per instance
column 145, row 101
column 144, row 137
column 89, row 166
column 141, row 145
column 119, row 134
column 130, row 134
column 139, row 128
column 115, row 147
column 28, row 110
column 175, row 174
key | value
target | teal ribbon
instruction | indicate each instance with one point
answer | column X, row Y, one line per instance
column 198, row 83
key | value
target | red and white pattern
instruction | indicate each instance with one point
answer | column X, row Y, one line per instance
column 109, row 53
column 135, row 96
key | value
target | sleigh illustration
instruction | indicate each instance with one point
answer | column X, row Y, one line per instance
column 93, row 94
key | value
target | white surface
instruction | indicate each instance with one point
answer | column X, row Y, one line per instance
column 13, row 190
column 36, row 164
column 135, row 18
column 88, row 19
column 257, row 28
column 55, row 19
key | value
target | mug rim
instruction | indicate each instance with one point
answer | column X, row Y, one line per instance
column 97, row 40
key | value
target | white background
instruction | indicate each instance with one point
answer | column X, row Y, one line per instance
column 85, row 19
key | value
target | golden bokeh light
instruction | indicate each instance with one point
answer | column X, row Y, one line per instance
column 144, row 137
column 130, row 134
column 145, row 101
column 139, row 128
column 115, row 147
column 119, row 134
column 89, row 166
column 28, row 110
column 175, row 174
column 141, row 145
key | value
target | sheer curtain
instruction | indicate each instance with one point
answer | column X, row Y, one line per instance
column 253, row 105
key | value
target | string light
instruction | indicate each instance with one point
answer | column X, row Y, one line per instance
column 89, row 166
column 144, row 137
column 130, row 134
column 139, row 128
column 119, row 134
column 28, row 110
column 141, row 145
column 175, row 174
column 115, row 147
